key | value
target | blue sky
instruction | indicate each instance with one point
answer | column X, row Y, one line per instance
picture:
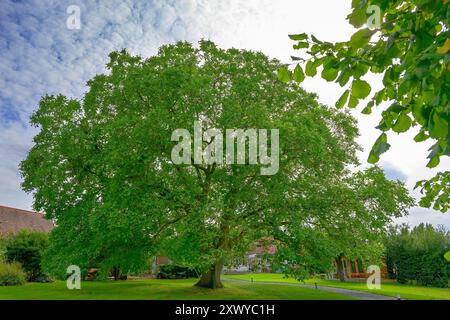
column 40, row 55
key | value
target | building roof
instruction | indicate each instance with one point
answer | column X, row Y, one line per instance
column 13, row 220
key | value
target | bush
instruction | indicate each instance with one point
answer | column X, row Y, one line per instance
column 11, row 274
column 171, row 271
column 27, row 248
column 3, row 243
column 417, row 255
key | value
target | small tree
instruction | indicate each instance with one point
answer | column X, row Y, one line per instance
column 27, row 248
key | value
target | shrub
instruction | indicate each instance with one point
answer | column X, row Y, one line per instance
column 11, row 274
column 27, row 248
column 171, row 271
column 3, row 242
column 417, row 255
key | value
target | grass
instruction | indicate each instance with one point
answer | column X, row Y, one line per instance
column 155, row 289
column 405, row 291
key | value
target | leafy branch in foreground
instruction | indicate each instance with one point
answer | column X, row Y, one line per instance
column 408, row 42
column 436, row 190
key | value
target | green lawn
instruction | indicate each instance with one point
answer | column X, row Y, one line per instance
column 162, row 289
column 390, row 289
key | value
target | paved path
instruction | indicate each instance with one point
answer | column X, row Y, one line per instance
column 352, row 293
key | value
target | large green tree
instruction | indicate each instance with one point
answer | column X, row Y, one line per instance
column 102, row 166
column 407, row 41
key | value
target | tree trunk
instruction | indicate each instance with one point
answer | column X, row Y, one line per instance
column 211, row 278
column 116, row 273
column 340, row 269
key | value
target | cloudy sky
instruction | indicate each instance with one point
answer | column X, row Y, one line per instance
column 39, row 54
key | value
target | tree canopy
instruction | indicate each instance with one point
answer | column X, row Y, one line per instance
column 408, row 43
column 102, row 168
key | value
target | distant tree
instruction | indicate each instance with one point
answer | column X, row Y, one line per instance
column 362, row 220
column 102, row 166
column 408, row 41
column 418, row 255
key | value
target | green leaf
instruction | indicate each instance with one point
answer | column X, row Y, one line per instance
column 283, row 74
column 343, row 99
column 353, row 102
column 357, row 18
column 435, row 150
column 437, row 126
column 380, row 96
column 294, row 58
column 421, row 136
column 420, row 113
column 447, row 256
column 388, row 77
column 301, row 45
column 404, row 87
column 402, row 124
column 360, row 89
column 329, row 73
column 344, row 76
column 395, row 108
column 378, row 148
column 311, row 68
column 368, row 108
column 359, row 70
column 298, row 74
column 298, row 37
column 315, row 39
column 434, row 161
column 383, row 126
column 361, row 38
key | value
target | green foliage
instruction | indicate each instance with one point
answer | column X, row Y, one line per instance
column 3, row 243
column 447, row 256
column 360, row 89
column 343, row 99
column 417, row 255
column 27, row 248
column 283, row 74
column 171, row 271
column 380, row 146
column 361, row 38
column 11, row 274
column 102, row 166
column 298, row 74
column 410, row 47
column 437, row 191
column 359, row 209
